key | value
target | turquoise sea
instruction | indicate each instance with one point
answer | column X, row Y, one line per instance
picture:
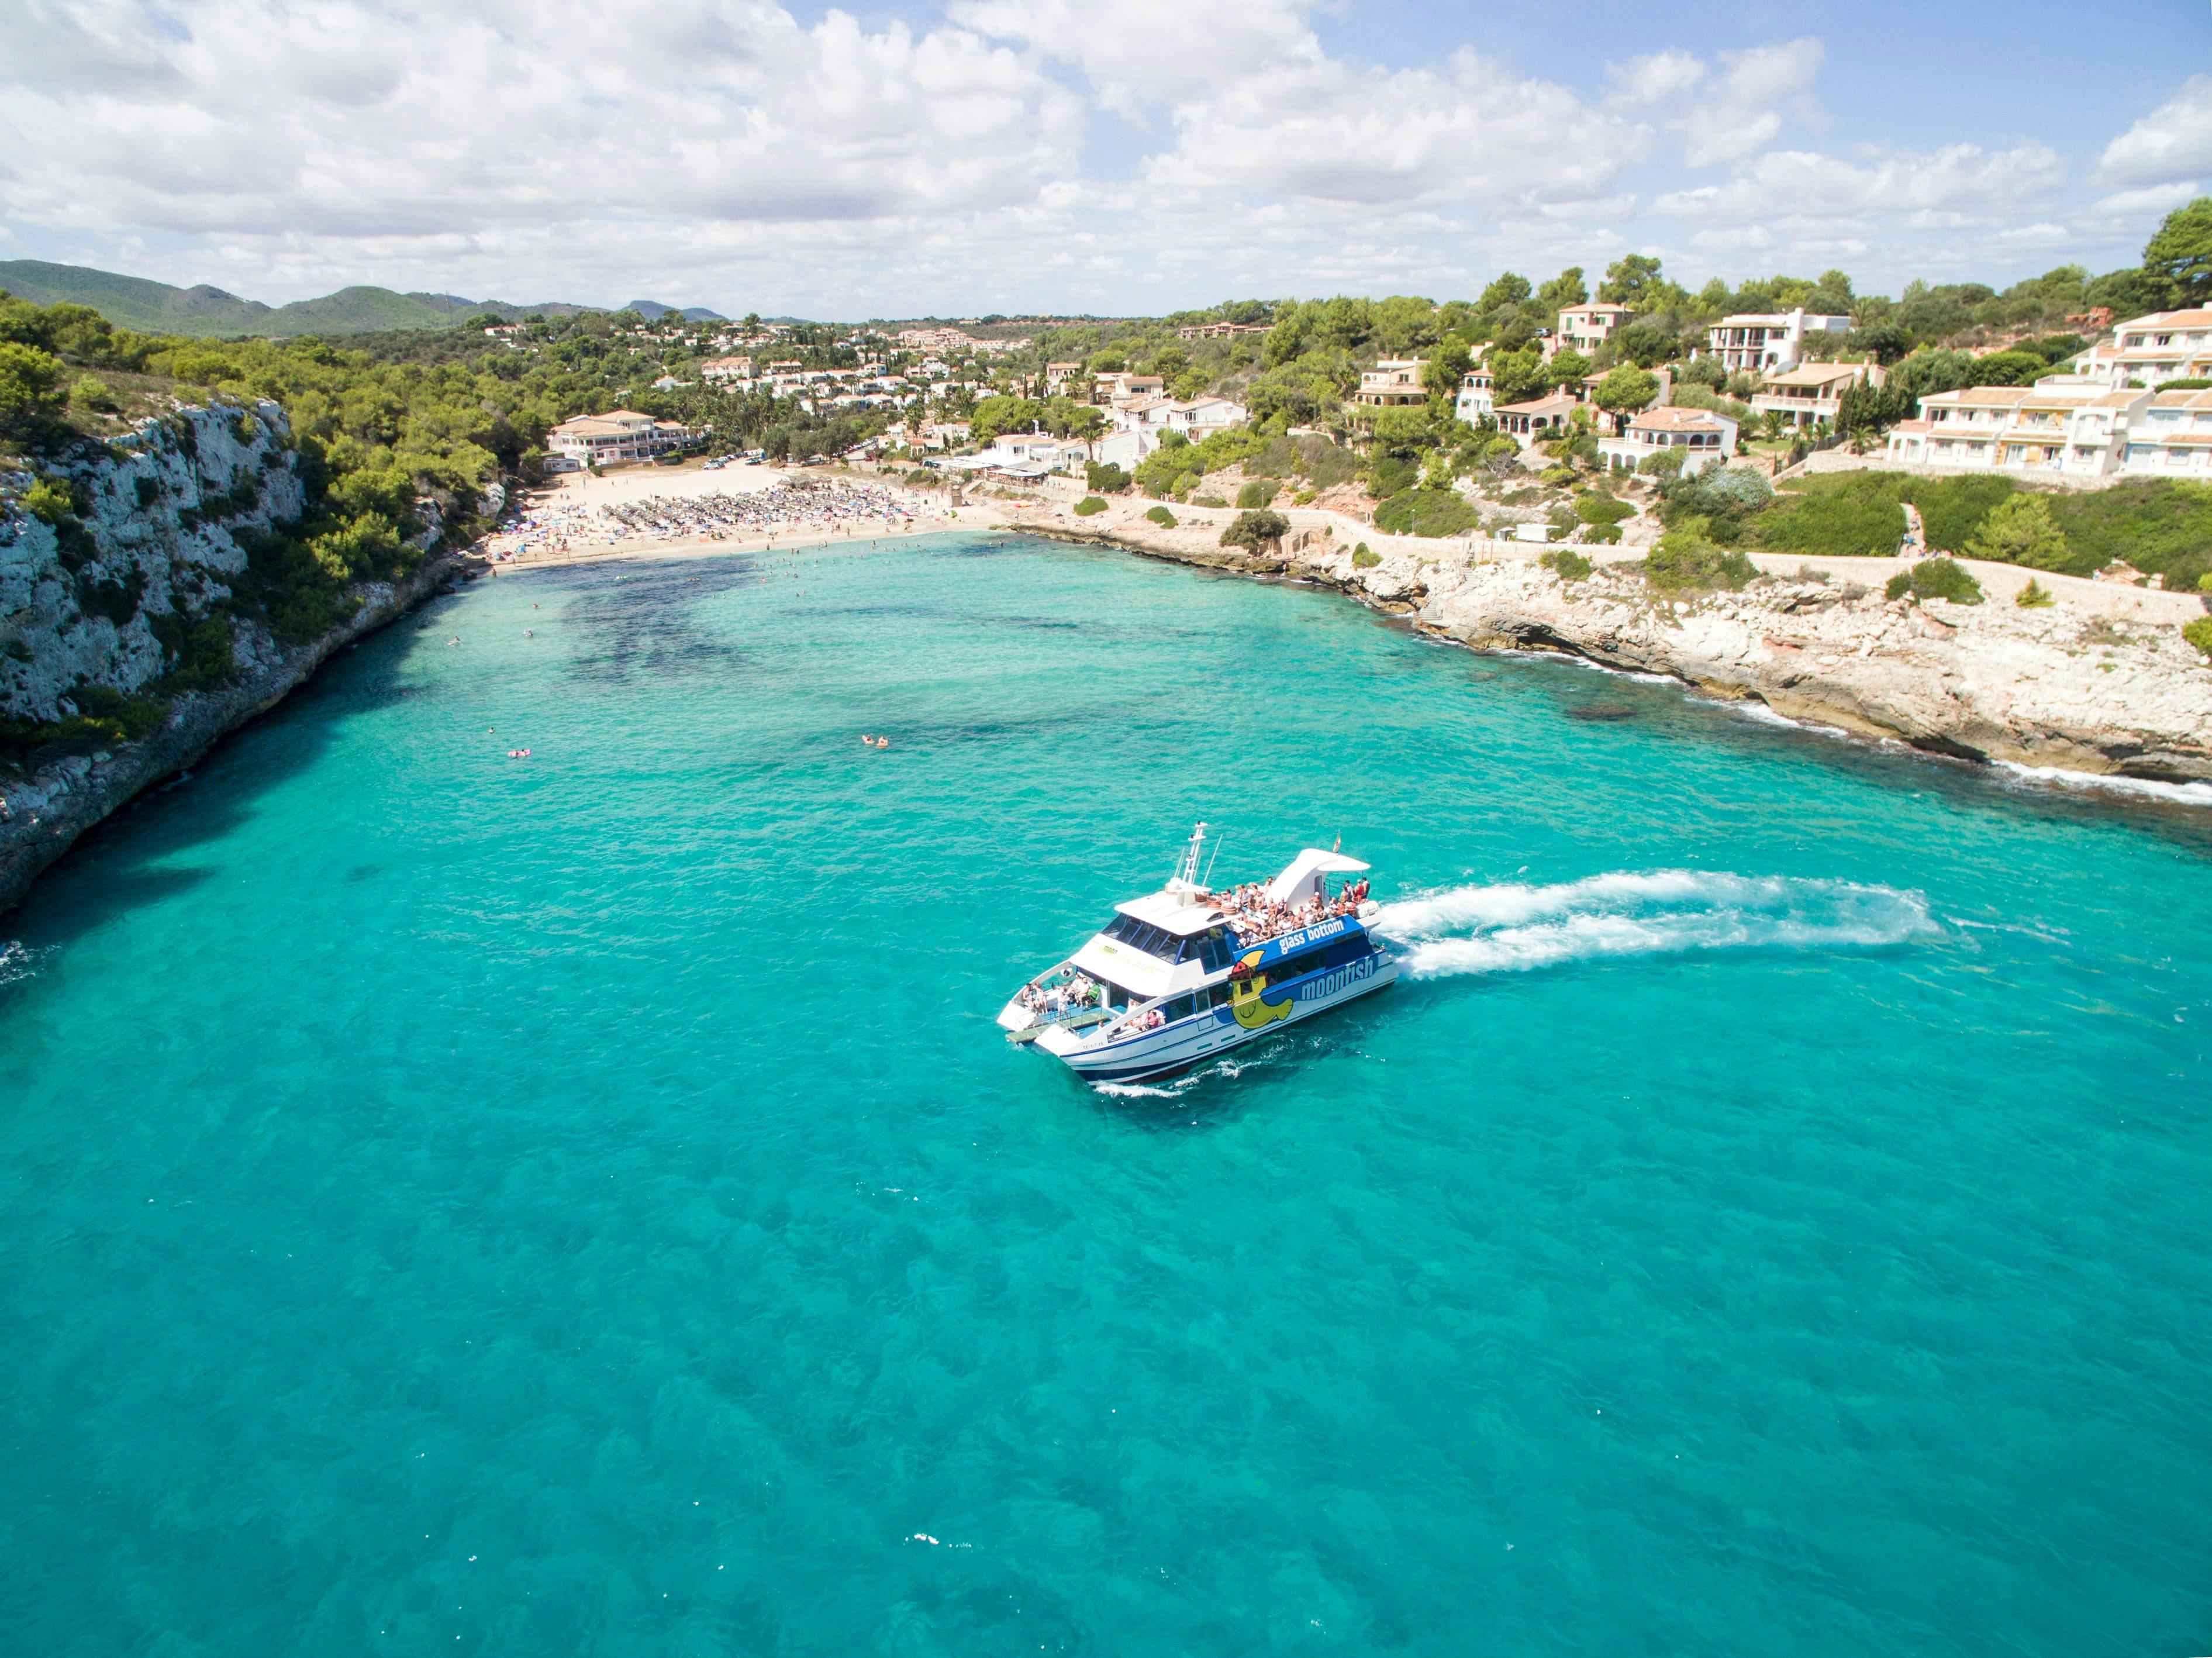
column 451, row 1204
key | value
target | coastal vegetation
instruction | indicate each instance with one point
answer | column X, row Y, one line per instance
column 1936, row 578
column 1255, row 530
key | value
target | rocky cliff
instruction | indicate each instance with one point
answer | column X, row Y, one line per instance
column 2073, row 686
column 122, row 654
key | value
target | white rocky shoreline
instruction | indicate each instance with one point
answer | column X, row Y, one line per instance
column 2074, row 690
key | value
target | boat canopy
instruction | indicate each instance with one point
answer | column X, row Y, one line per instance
column 1173, row 912
column 1304, row 879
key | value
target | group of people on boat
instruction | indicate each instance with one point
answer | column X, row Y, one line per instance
column 1079, row 993
column 1256, row 917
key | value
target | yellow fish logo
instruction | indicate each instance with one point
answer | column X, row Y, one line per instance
column 1246, row 1003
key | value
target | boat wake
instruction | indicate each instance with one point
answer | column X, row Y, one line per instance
column 1512, row 928
column 15, row 962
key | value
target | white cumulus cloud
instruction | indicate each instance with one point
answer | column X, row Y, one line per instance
column 2171, row 143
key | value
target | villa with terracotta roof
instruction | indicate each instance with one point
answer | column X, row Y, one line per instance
column 2063, row 423
column 1537, row 418
column 1394, row 382
column 1702, row 437
column 1814, row 392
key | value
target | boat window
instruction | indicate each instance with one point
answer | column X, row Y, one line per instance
column 1218, row 996
column 1141, row 936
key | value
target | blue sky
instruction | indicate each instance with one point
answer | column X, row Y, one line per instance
column 1101, row 156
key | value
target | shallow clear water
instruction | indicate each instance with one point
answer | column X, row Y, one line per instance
column 457, row 1203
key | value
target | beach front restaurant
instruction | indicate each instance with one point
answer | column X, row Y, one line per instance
column 617, row 436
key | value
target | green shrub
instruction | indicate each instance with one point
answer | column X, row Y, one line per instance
column 1427, row 512
column 1936, row 578
column 1260, row 492
column 2020, row 530
column 1105, row 477
column 1853, row 515
column 1952, row 509
column 50, row 499
column 1363, row 559
column 1602, row 535
column 1089, row 506
column 30, row 387
column 116, row 715
column 1254, row 530
column 1161, row 516
column 1687, row 558
column 1595, row 507
column 2034, row 596
column 921, row 475
column 1558, row 477
column 1571, row 564
column 2199, row 633
column 1208, row 501
column 1387, row 475
column 2163, row 527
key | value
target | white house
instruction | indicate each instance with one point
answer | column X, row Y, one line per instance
column 1702, row 437
column 1814, row 392
column 2170, row 435
column 620, row 434
column 1036, row 449
column 2062, row 423
column 1584, row 328
column 2153, row 350
column 1768, row 342
column 1201, row 417
column 1475, row 399
column 727, row 367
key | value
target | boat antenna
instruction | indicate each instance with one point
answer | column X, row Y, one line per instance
column 1187, row 866
column 1211, row 861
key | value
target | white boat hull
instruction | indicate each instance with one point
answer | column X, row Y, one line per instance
column 1145, row 1054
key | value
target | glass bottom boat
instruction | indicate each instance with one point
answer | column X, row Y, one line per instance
column 1188, row 972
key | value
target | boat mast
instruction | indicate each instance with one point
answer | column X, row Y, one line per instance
column 1186, row 873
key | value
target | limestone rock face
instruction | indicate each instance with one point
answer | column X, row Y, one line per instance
column 161, row 511
column 1989, row 681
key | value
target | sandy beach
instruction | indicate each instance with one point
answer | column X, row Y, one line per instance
column 658, row 512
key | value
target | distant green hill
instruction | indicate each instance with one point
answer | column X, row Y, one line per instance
column 652, row 310
column 155, row 308
column 151, row 307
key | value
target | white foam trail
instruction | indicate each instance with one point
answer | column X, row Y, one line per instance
column 2175, row 794
column 15, row 962
column 1513, row 928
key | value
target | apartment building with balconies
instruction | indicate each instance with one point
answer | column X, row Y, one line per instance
column 2063, row 424
column 2170, row 436
column 2152, row 349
